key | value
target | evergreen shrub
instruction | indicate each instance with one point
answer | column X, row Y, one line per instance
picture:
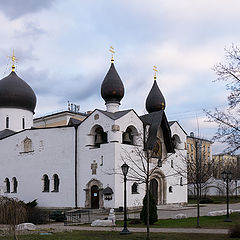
column 152, row 210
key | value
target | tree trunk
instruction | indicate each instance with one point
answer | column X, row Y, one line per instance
column 147, row 182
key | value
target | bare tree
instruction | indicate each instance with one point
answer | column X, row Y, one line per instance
column 12, row 212
column 198, row 171
column 142, row 165
column 229, row 120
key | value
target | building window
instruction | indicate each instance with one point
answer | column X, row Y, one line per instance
column 7, row 122
column 14, row 184
column 209, row 149
column 100, row 137
column 55, row 183
column 46, row 183
column 7, row 184
column 176, row 141
column 170, row 189
column 127, row 137
column 23, row 123
column 135, row 188
column 181, row 182
column 171, row 163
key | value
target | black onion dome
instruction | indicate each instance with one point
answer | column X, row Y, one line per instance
column 16, row 93
column 155, row 100
column 112, row 89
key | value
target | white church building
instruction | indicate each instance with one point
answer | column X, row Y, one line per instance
column 78, row 164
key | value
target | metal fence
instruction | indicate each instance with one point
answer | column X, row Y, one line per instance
column 77, row 217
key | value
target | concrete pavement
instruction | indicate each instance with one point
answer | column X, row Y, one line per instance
column 59, row 227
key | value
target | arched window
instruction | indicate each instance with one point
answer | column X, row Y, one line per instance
column 55, row 183
column 7, row 122
column 135, row 188
column 128, row 137
column 7, row 184
column 170, row 189
column 27, row 145
column 176, row 141
column 46, row 183
column 100, row 137
column 14, row 185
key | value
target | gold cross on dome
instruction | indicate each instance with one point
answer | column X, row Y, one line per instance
column 155, row 71
column 14, row 59
column 112, row 51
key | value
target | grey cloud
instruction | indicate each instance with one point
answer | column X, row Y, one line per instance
column 31, row 29
column 17, row 8
column 75, row 89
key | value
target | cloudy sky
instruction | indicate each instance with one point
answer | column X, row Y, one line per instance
column 62, row 50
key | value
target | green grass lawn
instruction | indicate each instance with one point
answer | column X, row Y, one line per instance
column 86, row 235
column 205, row 222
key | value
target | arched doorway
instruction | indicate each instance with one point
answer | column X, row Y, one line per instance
column 158, row 186
column 154, row 189
column 94, row 194
column 94, row 197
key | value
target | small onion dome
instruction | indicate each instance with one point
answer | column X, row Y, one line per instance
column 107, row 191
column 112, row 89
column 16, row 93
column 155, row 100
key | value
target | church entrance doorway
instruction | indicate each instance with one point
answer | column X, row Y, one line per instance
column 154, row 189
column 94, row 197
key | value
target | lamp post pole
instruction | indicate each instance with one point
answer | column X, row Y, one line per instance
column 125, row 170
column 227, row 177
column 236, row 189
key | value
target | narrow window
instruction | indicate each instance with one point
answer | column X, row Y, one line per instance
column 7, row 122
column 181, row 182
column 7, row 182
column 171, row 163
column 55, row 183
column 23, row 123
column 14, row 184
column 101, row 164
column 134, row 188
column 46, row 183
column 170, row 189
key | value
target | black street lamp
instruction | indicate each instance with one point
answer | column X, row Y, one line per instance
column 125, row 168
column 227, row 177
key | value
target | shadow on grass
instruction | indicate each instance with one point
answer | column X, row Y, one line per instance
column 90, row 235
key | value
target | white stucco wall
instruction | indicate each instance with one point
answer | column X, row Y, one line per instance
column 179, row 194
column 15, row 118
column 52, row 154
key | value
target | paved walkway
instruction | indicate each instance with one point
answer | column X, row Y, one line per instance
column 170, row 211
column 60, row 227
column 166, row 212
